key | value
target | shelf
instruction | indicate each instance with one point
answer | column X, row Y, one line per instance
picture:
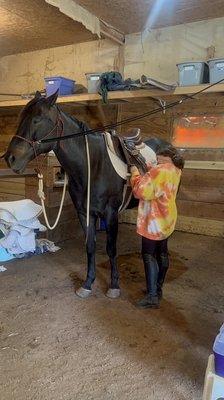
column 119, row 96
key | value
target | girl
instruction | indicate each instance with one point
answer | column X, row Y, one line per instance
column 157, row 215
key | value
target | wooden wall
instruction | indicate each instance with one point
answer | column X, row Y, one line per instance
column 201, row 196
column 25, row 72
column 155, row 52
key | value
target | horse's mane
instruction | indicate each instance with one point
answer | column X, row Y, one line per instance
column 82, row 125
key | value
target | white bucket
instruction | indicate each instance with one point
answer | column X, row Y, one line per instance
column 93, row 82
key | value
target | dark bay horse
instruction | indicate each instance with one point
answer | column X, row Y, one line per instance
column 40, row 118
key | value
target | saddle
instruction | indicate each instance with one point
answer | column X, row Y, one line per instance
column 126, row 151
column 128, row 147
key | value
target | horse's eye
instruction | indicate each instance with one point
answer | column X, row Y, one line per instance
column 36, row 120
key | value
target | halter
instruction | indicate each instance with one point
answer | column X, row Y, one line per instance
column 33, row 143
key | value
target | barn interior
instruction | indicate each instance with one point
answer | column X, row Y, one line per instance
column 53, row 344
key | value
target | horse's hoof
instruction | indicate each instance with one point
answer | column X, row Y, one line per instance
column 83, row 293
column 113, row 293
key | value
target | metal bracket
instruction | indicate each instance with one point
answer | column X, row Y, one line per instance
column 163, row 105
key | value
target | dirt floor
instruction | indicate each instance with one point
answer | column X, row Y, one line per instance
column 55, row 346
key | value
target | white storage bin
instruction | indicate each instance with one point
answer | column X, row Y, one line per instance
column 93, row 82
column 216, row 69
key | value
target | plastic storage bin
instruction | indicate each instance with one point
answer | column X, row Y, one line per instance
column 216, row 69
column 193, row 73
column 93, row 82
column 218, row 350
column 53, row 83
column 101, row 224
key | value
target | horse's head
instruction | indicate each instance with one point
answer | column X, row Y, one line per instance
column 38, row 118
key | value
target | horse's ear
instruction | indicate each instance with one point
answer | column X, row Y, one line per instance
column 37, row 95
column 51, row 100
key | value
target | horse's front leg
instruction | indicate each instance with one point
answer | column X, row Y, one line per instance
column 112, row 230
column 85, row 290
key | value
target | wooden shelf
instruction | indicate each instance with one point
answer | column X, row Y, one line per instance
column 119, row 96
column 7, row 172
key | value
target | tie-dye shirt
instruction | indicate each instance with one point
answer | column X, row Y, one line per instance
column 156, row 190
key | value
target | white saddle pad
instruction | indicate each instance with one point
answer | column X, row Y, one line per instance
column 120, row 166
column 19, row 210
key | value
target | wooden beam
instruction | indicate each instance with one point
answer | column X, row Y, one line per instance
column 201, row 226
column 119, row 60
column 215, row 165
column 110, row 32
column 7, row 172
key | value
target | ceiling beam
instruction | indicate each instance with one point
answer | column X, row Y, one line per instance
column 78, row 14
column 110, row 32
column 89, row 20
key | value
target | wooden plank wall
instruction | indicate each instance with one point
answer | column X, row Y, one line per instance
column 158, row 125
column 7, row 129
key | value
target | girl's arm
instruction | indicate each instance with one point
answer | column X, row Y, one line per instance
column 142, row 185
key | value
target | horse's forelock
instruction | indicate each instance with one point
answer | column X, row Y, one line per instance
column 29, row 108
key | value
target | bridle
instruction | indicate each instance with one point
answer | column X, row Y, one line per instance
column 34, row 143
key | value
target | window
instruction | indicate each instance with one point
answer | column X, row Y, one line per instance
column 199, row 131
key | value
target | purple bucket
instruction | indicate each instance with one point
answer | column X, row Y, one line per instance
column 218, row 350
column 219, row 364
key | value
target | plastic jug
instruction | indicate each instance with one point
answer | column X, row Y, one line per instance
column 218, row 350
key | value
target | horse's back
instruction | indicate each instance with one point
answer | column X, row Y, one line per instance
column 156, row 143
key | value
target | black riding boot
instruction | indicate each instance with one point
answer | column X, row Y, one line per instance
column 163, row 263
column 151, row 275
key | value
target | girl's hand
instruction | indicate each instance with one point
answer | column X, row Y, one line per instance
column 134, row 170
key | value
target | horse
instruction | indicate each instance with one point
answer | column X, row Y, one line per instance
column 42, row 118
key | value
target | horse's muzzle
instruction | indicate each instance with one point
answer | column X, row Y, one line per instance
column 9, row 159
column 11, row 162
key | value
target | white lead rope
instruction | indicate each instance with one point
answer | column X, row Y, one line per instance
column 42, row 199
column 88, row 187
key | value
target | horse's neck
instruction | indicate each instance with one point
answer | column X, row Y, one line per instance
column 71, row 152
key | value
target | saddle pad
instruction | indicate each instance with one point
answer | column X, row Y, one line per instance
column 19, row 210
column 120, row 166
